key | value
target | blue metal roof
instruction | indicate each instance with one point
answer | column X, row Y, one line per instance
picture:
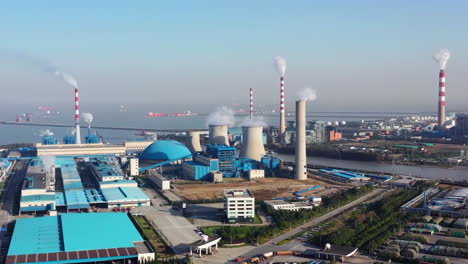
column 165, row 150
column 76, row 199
column 72, row 232
column 37, row 198
column 124, row 194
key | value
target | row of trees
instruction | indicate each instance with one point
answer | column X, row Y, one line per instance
column 370, row 226
column 282, row 219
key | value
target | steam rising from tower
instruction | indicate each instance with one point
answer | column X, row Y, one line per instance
column 280, row 66
column 301, row 155
column 442, row 57
column 77, row 118
column 88, row 118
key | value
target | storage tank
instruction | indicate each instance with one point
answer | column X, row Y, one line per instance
column 218, row 135
column 252, row 143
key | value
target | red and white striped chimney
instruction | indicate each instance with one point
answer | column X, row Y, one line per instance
column 282, row 116
column 77, row 118
column 251, row 103
column 441, row 112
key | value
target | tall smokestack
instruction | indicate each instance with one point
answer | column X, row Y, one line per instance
column 441, row 110
column 193, row 141
column 251, row 103
column 301, row 155
column 218, row 135
column 282, row 116
column 441, row 57
column 252, row 143
column 77, row 118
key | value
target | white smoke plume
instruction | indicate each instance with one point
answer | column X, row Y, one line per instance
column 46, row 66
column 88, row 118
column 280, row 65
column 307, row 94
column 45, row 132
column 222, row 116
column 48, row 162
column 442, row 57
column 256, row 121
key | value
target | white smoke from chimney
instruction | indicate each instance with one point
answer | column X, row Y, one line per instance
column 67, row 78
column 280, row 65
column 307, row 94
column 48, row 162
column 45, row 132
column 44, row 66
column 442, row 57
column 222, row 116
column 256, row 121
column 87, row 118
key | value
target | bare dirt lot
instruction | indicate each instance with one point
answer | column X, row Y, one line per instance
column 262, row 189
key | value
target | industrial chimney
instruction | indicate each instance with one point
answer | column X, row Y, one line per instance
column 218, row 135
column 193, row 141
column 252, row 143
column 282, row 115
column 301, row 155
column 77, row 118
column 441, row 112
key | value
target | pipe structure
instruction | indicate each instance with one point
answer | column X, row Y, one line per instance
column 252, row 143
column 251, row 103
column 282, row 115
column 218, row 135
column 441, row 110
column 193, row 141
column 301, row 155
column 77, row 118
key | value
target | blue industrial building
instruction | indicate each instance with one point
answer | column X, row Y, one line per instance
column 76, row 238
column 49, row 140
column 226, row 156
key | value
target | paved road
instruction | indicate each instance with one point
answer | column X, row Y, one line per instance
column 270, row 245
column 176, row 228
column 12, row 192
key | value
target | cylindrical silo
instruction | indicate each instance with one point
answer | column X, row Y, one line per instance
column 218, row 135
column 252, row 143
column 193, row 141
column 301, row 155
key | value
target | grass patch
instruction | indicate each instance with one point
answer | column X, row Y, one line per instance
column 258, row 219
column 284, row 241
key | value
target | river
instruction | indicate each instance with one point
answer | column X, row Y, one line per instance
column 454, row 173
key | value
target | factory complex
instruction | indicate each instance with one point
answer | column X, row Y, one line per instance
column 77, row 238
column 55, row 184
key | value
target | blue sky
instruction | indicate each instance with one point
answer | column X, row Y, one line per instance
column 359, row 55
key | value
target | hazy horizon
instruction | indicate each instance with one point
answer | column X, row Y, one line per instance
column 158, row 56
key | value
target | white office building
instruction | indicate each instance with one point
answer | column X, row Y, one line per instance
column 239, row 205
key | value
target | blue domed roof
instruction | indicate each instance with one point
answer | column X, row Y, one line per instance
column 165, row 150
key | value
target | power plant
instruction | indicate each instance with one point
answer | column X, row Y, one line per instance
column 218, row 135
column 301, row 155
column 252, row 143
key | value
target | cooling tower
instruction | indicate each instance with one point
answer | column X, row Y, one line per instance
column 193, row 141
column 252, row 143
column 301, row 155
column 219, row 135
